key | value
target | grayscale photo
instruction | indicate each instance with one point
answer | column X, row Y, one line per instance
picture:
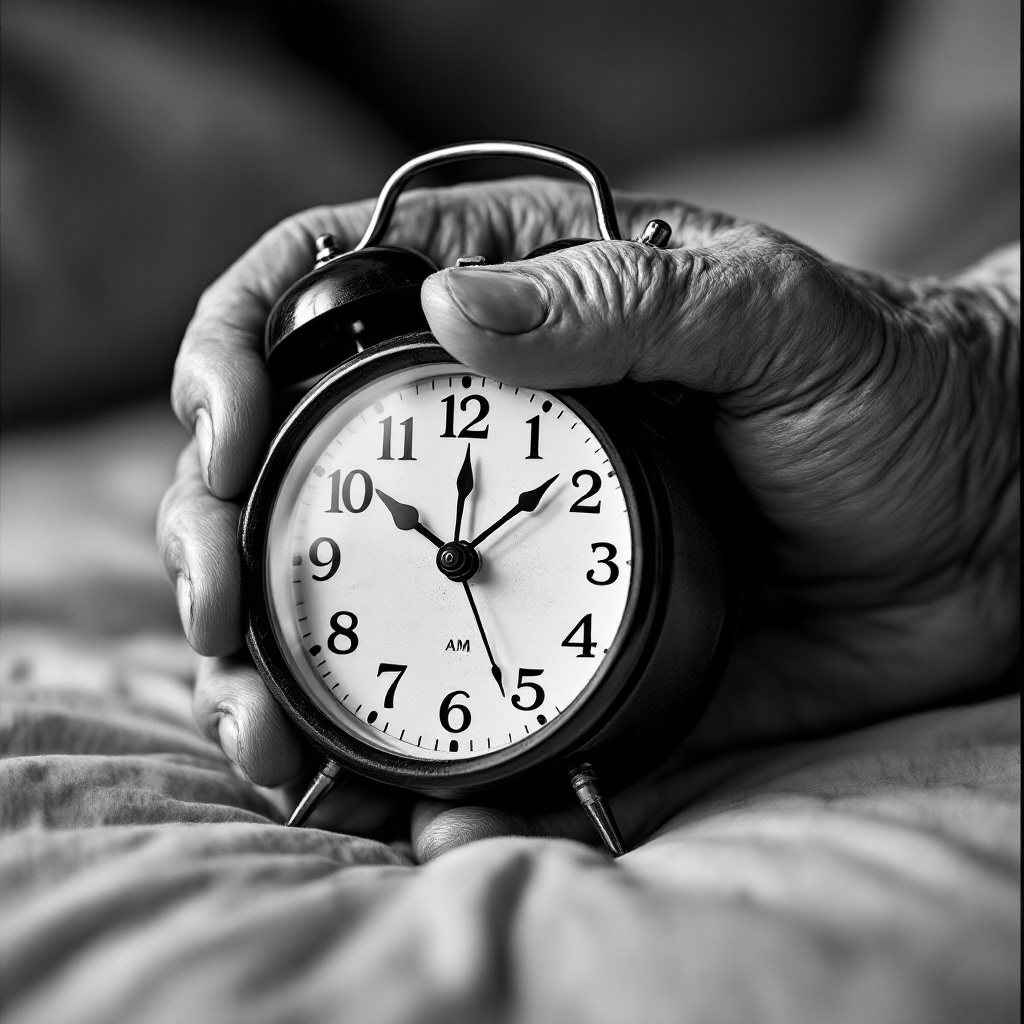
column 510, row 512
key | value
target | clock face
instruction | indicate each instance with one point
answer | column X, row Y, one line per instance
column 422, row 646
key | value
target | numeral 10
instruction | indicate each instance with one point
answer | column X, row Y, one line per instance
column 341, row 493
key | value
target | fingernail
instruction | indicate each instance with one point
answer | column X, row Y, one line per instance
column 183, row 590
column 203, row 429
column 227, row 732
column 501, row 302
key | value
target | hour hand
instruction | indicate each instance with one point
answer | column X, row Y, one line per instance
column 528, row 502
column 407, row 517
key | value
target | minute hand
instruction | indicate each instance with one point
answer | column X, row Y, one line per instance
column 528, row 501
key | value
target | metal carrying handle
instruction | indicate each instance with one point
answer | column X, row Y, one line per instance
column 579, row 165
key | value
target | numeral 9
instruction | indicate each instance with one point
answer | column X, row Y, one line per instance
column 334, row 561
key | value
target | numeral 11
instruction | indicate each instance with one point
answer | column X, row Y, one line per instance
column 406, row 455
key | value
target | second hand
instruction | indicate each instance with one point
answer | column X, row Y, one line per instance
column 495, row 671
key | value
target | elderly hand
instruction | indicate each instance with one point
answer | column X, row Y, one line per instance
column 873, row 421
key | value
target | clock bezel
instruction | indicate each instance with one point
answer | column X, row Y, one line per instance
column 449, row 778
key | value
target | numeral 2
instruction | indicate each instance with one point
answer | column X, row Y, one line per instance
column 595, row 486
column 586, row 645
column 483, row 408
column 406, row 426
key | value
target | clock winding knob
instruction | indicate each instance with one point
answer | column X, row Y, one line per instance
column 326, row 249
column 657, row 233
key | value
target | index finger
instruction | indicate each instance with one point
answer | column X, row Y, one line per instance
column 221, row 390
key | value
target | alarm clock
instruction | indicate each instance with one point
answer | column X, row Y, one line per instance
column 469, row 588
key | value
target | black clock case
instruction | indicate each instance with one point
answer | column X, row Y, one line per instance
column 682, row 614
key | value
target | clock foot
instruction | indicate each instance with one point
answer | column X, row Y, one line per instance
column 318, row 789
column 584, row 782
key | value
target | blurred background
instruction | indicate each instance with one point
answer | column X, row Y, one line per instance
column 144, row 146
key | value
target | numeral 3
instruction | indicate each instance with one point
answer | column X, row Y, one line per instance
column 613, row 569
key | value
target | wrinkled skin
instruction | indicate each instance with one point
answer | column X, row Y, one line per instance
column 873, row 421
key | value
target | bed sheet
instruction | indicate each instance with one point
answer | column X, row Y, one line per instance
column 872, row 876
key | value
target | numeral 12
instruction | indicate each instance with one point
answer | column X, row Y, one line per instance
column 483, row 407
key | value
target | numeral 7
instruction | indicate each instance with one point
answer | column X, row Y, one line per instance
column 389, row 697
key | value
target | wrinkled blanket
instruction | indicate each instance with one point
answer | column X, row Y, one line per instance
column 868, row 877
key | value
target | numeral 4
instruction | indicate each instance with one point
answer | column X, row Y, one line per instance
column 586, row 645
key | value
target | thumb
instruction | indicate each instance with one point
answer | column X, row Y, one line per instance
column 603, row 311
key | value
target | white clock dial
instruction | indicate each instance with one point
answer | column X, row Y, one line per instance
column 382, row 640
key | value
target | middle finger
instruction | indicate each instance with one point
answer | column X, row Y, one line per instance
column 196, row 536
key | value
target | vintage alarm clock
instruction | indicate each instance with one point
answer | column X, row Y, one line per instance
column 464, row 587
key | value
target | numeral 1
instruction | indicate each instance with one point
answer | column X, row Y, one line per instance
column 335, row 491
column 406, row 455
column 534, row 422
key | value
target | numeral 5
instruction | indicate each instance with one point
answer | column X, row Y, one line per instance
column 538, row 690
